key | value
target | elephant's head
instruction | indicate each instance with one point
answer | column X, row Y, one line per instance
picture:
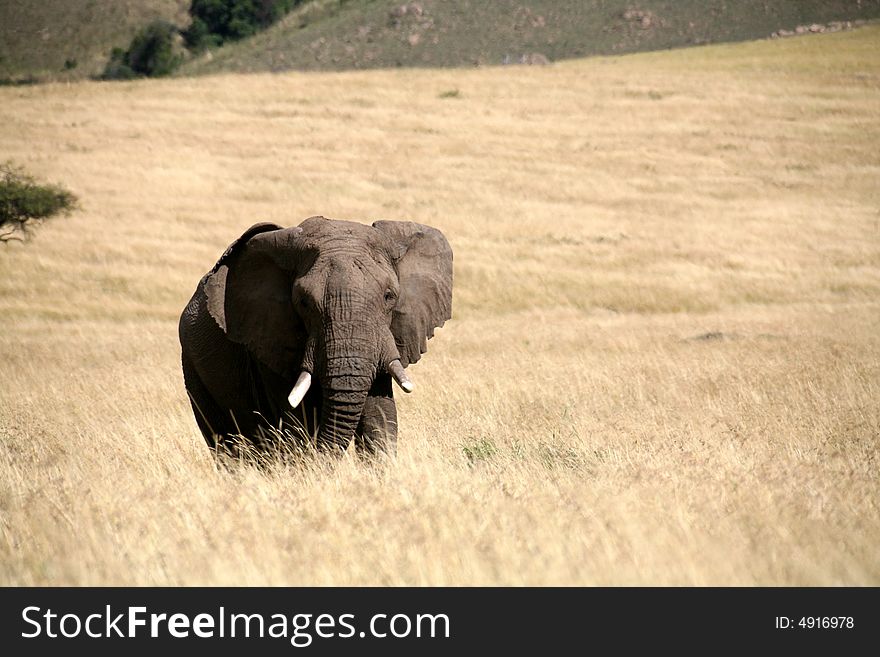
column 335, row 302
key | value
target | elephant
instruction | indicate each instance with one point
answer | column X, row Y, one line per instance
column 308, row 326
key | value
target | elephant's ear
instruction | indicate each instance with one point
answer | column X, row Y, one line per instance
column 249, row 296
column 424, row 265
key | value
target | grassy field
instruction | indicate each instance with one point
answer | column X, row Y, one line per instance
column 664, row 362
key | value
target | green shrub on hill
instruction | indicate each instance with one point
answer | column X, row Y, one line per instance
column 152, row 53
column 216, row 21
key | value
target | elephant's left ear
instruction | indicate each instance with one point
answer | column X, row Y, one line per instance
column 424, row 265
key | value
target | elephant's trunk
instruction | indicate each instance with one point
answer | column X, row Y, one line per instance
column 345, row 387
column 348, row 363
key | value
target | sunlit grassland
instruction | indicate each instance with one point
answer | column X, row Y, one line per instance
column 664, row 361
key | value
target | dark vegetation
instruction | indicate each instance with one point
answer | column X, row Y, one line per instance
column 216, row 21
column 24, row 201
column 152, row 53
column 157, row 49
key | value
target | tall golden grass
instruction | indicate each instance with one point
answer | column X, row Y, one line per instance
column 663, row 368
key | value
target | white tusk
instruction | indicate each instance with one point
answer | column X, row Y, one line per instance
column 300, row 388
column 397, row 371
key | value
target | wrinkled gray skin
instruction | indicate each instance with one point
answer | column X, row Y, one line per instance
column 338, row 299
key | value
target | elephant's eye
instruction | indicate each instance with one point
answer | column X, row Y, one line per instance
column 389, row 296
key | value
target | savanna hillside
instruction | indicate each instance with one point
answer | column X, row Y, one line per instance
column 69, row 39
column 664, row 362
column 72, row 39
column 346, row 34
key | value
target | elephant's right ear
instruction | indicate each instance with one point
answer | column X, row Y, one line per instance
column 249, row 296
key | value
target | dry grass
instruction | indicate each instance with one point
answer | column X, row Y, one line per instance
column 580, row 421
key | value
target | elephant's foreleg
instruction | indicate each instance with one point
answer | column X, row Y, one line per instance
column 377, row 430
column 207, row 414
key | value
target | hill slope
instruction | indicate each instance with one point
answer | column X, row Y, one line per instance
column 334, row 34
column 37, row 37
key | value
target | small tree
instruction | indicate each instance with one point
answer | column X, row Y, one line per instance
column 152, row 50
column 152, row 53
column 23, row 202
